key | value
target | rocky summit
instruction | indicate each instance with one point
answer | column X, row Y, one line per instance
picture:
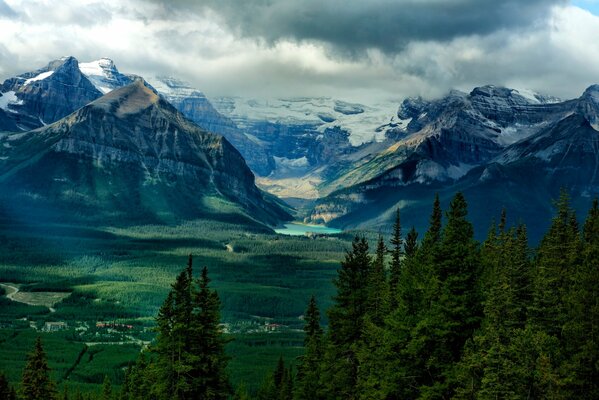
column 128, row 155
column 502, row 147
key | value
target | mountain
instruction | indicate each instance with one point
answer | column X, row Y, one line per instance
column 128, row 156
column 195, row 106
column 292, row 145
column 308, row 137
column 37, row 98
column 104, row 75
column 501, row 148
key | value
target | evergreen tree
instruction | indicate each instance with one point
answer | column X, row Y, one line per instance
column 492, row 366
column 346, row 321
column 36, row 383
column 191, row 361
column 279, row 385
column 310, row 363
column 6, row 390
column 65, row 392
column 378, row 293
column 106, row 389
column 312, row 327
column 396, row 258
column 347, row 314
column 125, row 387
column 581, row 335
column 439, row 337
column 411, row 244
column 433, row 235
column 558, row 256
column 209, row 378
column 241, row 393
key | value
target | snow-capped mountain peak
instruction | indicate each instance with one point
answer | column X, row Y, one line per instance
column 104, row 75
column 174, row 87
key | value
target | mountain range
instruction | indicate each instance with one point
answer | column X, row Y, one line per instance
column 128, row 155
column 346, row 164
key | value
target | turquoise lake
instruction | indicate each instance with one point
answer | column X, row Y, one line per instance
column 301, row 229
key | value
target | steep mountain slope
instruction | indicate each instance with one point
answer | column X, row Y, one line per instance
column 442, row 140
column 104, row 75
column 128, row 156
column 308, row 138
column 195, row 106
column 34, row 99
column 517, row 155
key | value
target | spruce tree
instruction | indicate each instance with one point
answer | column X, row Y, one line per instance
column 411, row 244
column 65, row 392
column 494, row 364
column 557, row 260
column 6, row 390
column 346, row 321
column 310, row 363
column 36, row 382
column 347, row 314
column 312, row 327
column 581, row 335
column 209, row 377
column 455, row 312
column 396, row 258
column 378, row 293
column 433, row 235
column 106, row 389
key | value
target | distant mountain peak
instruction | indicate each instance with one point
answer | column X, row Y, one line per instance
column 130, row 99
column 104, row 74
column 592, row 92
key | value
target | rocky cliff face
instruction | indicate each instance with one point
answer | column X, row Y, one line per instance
column 48, row 94
column 502, row 148
column 131, row 155
column 195, row 106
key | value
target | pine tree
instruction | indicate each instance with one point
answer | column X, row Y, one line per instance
column 310, row 363
column 346, row 321
column 455, row 312
column 558, row 256
column 6, row 391
column 36, row 383
column 411, row 244
column 492, row 366
column 581, row 335
column 378, row 293
column 433, row 235
column 65, row 392
column 241, row 393
column 396, row 258
column 312, row 327
column 347, row 314
column 106, row 389
column 278, row 385
column 209, row 377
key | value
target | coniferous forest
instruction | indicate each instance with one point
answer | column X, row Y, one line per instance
column 436, row 315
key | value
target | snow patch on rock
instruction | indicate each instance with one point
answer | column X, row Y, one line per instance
column 8, row 99
column 40, row 77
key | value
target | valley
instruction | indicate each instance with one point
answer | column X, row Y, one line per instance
column 119, row 276
column 110, row 181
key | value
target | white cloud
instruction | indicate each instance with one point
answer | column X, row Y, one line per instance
column 558, row 55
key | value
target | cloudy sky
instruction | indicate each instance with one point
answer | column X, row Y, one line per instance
column 366, row 50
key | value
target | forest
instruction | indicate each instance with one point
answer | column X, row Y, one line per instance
column 440, row 316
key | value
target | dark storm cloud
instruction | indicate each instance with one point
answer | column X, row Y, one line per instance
column 384, row 24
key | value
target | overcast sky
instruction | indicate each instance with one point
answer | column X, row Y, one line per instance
column 359, row 50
